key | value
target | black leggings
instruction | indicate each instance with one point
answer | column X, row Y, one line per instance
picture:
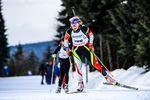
column 64, row 70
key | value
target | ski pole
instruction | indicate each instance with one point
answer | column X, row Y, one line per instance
column 71, row 67
column 103, row 65
column 53, row 69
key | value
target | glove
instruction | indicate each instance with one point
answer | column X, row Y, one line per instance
column 68, row 52
column 91, row 47
column 54, row 55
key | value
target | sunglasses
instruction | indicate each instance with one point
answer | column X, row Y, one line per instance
column 75, row 24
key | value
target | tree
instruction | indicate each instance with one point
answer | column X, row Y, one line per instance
column 142, row 28
column 12, row 68
column 4, row 49
column 127, row 18
column 121, row 29
column 94, row 15
column 32, row 62
column 20, row 61
column 47, row 55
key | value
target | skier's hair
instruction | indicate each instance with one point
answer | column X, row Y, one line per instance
column 75, row 17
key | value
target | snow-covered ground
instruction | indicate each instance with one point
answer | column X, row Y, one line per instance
column 29, row 87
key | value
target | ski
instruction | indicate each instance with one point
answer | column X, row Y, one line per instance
column 121, row 85
column 75, row 92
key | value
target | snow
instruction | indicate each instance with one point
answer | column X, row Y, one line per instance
column 29, row 87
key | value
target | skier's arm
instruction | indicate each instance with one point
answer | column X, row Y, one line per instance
column 57, row 49
column 66, row 43
column 91, row 38
column 66, row 40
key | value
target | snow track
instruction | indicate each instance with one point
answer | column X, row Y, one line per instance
column 29, row 88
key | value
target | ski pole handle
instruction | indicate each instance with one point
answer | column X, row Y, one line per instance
column 73, row 10
column 103, row 65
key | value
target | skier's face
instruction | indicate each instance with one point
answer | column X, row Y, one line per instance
column 75, row 26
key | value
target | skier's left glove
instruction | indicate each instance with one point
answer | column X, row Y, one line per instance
column 54, row 55
column 91, row 47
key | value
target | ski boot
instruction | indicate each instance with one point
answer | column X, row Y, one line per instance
column 80, row 86
column 66, row 88
column 42, row 83
column 58, row 89
column 110, row 80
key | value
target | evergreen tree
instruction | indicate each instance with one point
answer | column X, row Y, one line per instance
column 94, row 15
column 142, row 28
column 4, row 49
column 20, row 61
column 12, row 68
column 122, row 20
column 47, row 55
column 32, row 62
column 121, row 29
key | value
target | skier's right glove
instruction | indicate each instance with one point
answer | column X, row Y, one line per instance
column 54, row 55
column 68, row 52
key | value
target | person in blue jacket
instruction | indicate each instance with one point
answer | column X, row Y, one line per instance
column 6, row 70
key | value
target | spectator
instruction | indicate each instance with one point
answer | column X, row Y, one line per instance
column 6, row 70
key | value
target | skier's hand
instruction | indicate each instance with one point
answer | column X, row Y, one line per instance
column 91, row 47
column 54, row 55
column 68, row 52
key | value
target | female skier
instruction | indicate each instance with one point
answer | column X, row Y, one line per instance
column 64, row 65
column 82, row 38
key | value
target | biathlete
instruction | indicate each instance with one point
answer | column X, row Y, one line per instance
column 82, row 39
column 64, row 65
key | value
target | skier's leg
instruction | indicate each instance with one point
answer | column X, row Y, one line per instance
column 42, row 79
column 92, row 58
column 61, row 76
column 63, row 82
column 67, row 67
column 61, row 73
column 78, row 63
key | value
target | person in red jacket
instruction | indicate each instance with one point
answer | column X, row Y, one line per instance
column 82, row 39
